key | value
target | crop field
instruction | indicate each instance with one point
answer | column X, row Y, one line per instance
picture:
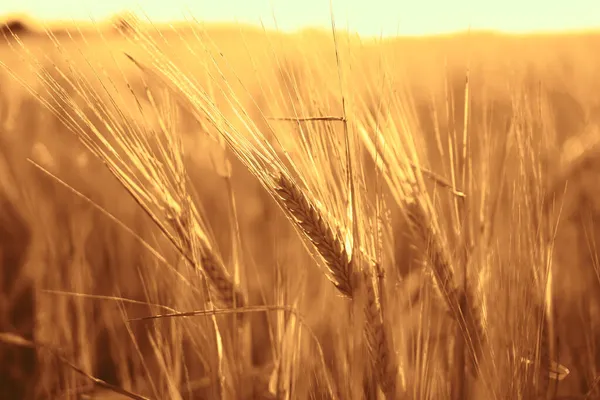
column 224, row 212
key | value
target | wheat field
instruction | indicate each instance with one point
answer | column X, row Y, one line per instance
column 225, row 212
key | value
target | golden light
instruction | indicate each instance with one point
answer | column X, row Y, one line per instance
column 373, row 18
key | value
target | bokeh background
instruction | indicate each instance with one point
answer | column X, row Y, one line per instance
column 57, row 250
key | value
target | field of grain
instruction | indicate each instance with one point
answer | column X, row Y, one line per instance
column 339, row 217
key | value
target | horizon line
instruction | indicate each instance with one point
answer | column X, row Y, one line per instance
column 39, row 25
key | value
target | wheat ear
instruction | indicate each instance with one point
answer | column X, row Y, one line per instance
column 202, row 256
column 221, row 280
column 343, row 273
column 464, row 312
column 378, row 339
column 325, row 239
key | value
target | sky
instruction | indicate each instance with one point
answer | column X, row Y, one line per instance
column 366, row 17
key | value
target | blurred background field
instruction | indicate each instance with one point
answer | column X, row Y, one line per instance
column 64, row 263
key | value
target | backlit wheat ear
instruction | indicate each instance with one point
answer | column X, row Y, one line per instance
column 325, row 239
column 378, row 340
column 343, row 272
column 464, row 312
column 221, row 280
column 202, row 256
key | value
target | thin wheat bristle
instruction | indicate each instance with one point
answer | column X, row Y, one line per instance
column 322, row 235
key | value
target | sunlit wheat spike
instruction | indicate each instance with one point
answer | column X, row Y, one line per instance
column 341, row 269
column 210, row 262
column 223, row 284
column 322, row 236
column 379, row 344
column 465, row 313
